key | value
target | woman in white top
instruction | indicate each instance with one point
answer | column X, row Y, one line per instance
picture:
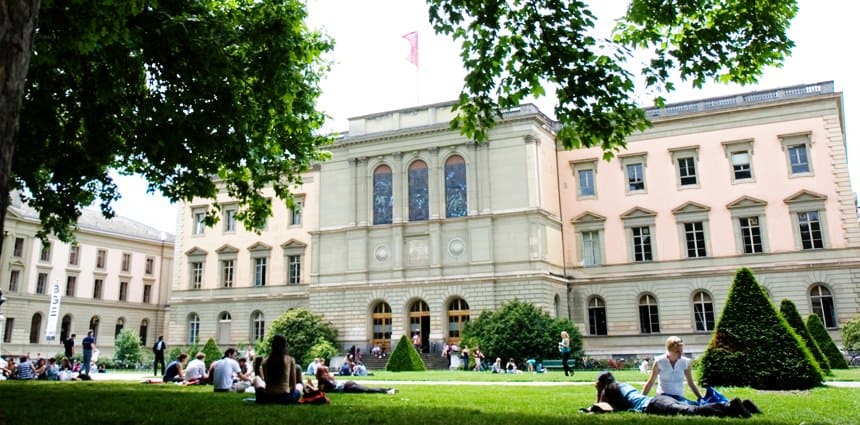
column 670, row 371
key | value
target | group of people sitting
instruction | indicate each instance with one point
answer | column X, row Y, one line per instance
column 41, row 368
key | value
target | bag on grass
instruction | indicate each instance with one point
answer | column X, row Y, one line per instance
column 314, row 397
column 713, row 396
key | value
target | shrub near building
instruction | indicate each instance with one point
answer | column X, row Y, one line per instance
column 404, row 358
column 790, row 314
column 828, row 347
column 754, row 346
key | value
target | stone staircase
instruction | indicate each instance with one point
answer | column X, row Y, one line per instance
column 432, row 361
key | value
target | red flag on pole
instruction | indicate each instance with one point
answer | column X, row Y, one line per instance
column 412, row 38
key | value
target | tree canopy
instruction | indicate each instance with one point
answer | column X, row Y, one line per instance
column 193, row 95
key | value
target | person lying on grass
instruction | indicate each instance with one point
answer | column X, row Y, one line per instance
column 327, row 383
column 622, row 396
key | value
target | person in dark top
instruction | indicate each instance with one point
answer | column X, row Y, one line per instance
column 89, row 345
column 69, row 346
column 175, row 371
column 158, row 350
column 327, row 383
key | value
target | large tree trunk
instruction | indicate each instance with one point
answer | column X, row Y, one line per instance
column 17, row 28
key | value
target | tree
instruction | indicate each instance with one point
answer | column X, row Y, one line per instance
column 851, row 334
column 520, row 330
column 213, row 353
column 302, row 328
column 754, row 346
column 822, row 338
column 789, row 312
column 322, row 349
column 193, row 94
column 127, row 352
column 404, row 358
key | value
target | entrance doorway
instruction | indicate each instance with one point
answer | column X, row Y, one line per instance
column 419, row 321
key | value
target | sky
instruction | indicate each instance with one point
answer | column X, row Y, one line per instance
column 370, row 72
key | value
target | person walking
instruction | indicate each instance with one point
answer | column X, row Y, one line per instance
column 564, row 347
column 158, row 350
column 89, row 345
column 69, row 346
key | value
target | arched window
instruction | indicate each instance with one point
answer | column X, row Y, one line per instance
column 822, row 305
column 35, row 328
column 419, row 197
column 703, row 311
column 258, row 326
column 456, row 204
column 649, row 319
column 383, row 193
column 193, row 329
column 419, row 322
column 224, row 323
column 65, row 328
column 94, row 325
column 596, row 316
column 381, row 318
column 144, row 330
column 120, row 324
column 458, row 316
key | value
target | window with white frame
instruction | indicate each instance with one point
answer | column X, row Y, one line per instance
column 808, row 216
column 260, row 254
column 585, row 172
column 296, row 212
column 41, row 283
column 147, row 295
column 229, row 217
column 149, row 265
column 101, row 258
column 639, row 227
column 694, row 234
column 261, row 265
column 649, row 317
column 74, row 255
column 71, row 284
column 703, row 311
column 634, row 172
column 751, row 235
column 18, row 248
column 14, row 277
column 294, row 251
column 749, row 222
column 196, row 274
column 123, row 291
column 822, row 305
column 199, row 217
column 295, row 269
column 597, row 316
column 589, row 230
column 797, row 148
column 227, row 256
column 126, row 262
column 196, row 262
column 642, row 243
column 45, row 253
column 193, row 329
column 739, row 154
column 97, row 288
column 692, row 219
column 809, row 225
column 258, row 326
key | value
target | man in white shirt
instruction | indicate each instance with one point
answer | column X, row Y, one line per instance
column 226, row 371
column 195, row 372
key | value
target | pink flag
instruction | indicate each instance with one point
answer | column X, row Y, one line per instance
column 412, row 38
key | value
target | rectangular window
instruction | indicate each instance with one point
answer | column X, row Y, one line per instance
column 798, row 158
column 147, row 293
column 71, row 283
column 751, row 235
column 74, row 255
column 296, row 214
column 694, row 234
column 7, row 332
column 45, row 253
column 149, row 266
column 649, row 320
column 590, row 248
column 635, row 177
column 704, row 316
column 101, row 258
column 123, row 291
column 14, row 276
column 586, row 182
column 97, row 289
column 295, row 270
column 126, row 262
column 687, row 171
column 260, row 271
column 741, row 165
column 18, row 250
column 810, row 230
column 641, row 244
column 199, row 223
column 229, row 220
column 41, row 283
column 227, row 271
column 196, row 275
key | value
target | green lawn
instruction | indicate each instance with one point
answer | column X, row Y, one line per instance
column 452, row 403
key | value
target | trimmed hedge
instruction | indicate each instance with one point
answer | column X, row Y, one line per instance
column 754, row 346
column 789, row 312
column 828, row 347
column 404, row 358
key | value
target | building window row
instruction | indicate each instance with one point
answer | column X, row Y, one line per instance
column 224, row 323
column 259, row 254
column 230, row 222
column 418, row 191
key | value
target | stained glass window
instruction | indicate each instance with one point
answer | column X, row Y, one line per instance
column 382, row 195
column 419, row 199
column 455, row 187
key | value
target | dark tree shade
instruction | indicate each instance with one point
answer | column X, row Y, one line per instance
column 404, row 358
column 754, row 346
column 823, row 339
column 789, row 312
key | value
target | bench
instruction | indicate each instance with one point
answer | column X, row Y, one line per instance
column 552, row 364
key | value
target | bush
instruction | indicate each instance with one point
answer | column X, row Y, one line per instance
column 321, row 349
column 127, row 351
column 851, row 334
column 520, row 330
column 828, row 347
column 404, row 358
column 789, row 312
column 211, row 350
column 302, row 328
column 754, row 346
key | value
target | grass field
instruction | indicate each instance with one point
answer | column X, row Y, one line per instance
column 450, row 403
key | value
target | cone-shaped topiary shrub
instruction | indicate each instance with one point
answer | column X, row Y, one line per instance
column 404, row 357
column 213, row 353
column 823, row 339
column 789, row 312
column 754, row 346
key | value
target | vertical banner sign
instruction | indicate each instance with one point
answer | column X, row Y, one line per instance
column 53, row 312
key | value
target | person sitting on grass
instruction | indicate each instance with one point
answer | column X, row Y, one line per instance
column 327, row 383
column 497, row 366
column 511, row 367
column 225, row 372
column 195, row 372
column 346, row 368
column 621, row 396
column 280, row 374
column 175, row 371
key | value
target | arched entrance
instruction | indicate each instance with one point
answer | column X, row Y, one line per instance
column 419, row 321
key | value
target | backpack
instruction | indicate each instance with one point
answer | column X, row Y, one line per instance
column 314, row 397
